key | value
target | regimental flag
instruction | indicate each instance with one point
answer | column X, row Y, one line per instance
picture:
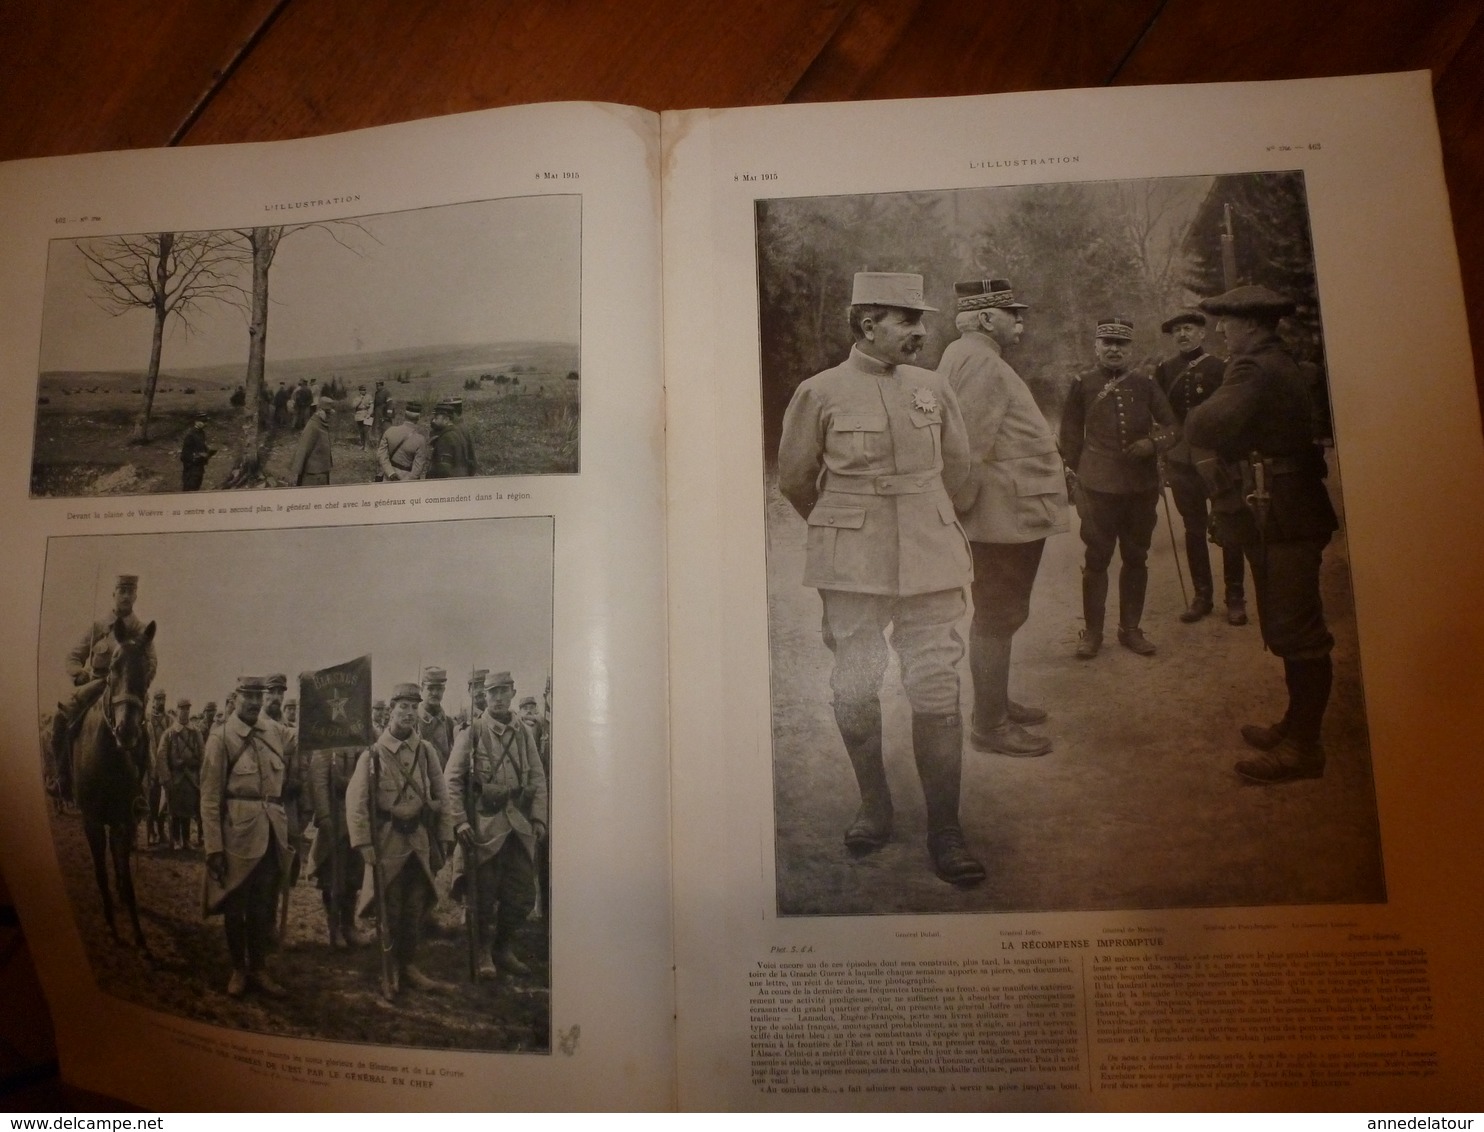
column 335, row 706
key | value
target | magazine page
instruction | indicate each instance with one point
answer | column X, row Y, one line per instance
column 335, row 737
column 1072, row 695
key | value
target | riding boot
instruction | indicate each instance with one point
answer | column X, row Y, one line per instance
column 938, row 746
column 1094, row 608
column 332, row 919
column 1298, row 752
column 1132, row 582
column 860, row 728
column 1198, row 557
column 993, row 729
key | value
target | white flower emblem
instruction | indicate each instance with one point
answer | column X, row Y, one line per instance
column 924, row 401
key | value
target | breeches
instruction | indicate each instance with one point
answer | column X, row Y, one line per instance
column 1124, row 522
column 924, row 633
column 1289, row 608
column 248, row 912
column 408, row 898
column 1004, row 573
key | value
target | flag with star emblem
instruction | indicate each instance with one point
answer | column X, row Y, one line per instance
column 335, row 706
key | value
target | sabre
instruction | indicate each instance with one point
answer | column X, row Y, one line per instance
column 1164, row 493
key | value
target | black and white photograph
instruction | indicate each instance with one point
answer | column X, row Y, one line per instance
column 1060, row 613
column 432, row 343
column 300, row 779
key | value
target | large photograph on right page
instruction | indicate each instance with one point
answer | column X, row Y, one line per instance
column 1060, row 610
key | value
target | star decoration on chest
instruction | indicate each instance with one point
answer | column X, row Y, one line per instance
column 924, row 401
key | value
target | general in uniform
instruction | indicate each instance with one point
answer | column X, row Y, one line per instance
column 1113, row 427
column 870, row 455
column 1014, row 498
column 1269, row 498
column 313, row 457
column 402, row 453
column 246, row 833
column 451, row 451
column 396, row 808
column 1186, row 380
column 497, row 797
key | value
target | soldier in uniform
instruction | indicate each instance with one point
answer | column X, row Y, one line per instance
column 1269, row 498
column 478, row 698
column 313, row 457
column 378, row 716
column 246, row 835
column 1015, row 496
column 1113, row 427
column 155, row 726
column 402, row 827
column 333, row 865
column 87, row 663
column 291, row 713
column 870, row 456
column 181, row 749
column 403, row 451
column 451, row 450
column 296, row 801
column 194, row 455
column 1187, row 379
column 433, row 723
column 497, row 798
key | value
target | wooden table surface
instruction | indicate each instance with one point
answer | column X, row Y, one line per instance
column 121, row 74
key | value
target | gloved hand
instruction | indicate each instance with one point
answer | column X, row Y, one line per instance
column 1141, row 449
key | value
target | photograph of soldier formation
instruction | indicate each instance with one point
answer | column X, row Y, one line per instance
column 435, row 343
column 301, row 779
column 1060, row 613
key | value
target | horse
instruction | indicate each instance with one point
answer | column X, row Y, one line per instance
column 109, row 755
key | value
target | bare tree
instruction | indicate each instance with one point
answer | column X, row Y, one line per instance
column 259, row 246
column 167, row 273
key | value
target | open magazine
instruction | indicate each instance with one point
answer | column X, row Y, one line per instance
column 457, row 466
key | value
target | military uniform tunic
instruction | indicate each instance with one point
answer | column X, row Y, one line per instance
column 496, row 767
column 411, row 797
column 241, row 798
column 870, row 455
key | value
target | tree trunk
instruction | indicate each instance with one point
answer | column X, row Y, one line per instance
column 140, row 435
column 247, row 464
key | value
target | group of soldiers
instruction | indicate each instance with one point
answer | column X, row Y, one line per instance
column 919, row 485
column 405, row 450
column 436, row 809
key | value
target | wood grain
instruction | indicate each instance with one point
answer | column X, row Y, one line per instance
column 113, row 75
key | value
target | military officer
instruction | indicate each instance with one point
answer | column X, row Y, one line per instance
column 155, row 726
column 313, row 458
column 870, row 455
column 1113, row 426
column 1015, row 496
column 1187, row 379
column 87, row 663
column 451, row 452
column 478, row 695
column 433, row 723
column 180, row 754
column 334, row 867
column 1270, row 499
column 246, row 832
column 403, row 451
column 297, row 804
column 396, row 808
column 194, row 455
column 498, row 801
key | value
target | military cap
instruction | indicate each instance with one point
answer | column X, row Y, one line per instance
column 290, row 703
column 888, row 289
column 277, row 682
column 500, row 679
column 1118, row 326
column 435, row 675
column 326, row 403
column 379, row 705
column 1187, row 314
column 200, row 418
column 407, row 692
column 250, row 684
column 528, row 700
column 413, row 408
column 1251, row 301
column 982, row 294
column 159, row 696
column 182, row 702
column 126, row 582
column 476, row 680
column 209, row 704
column 453, row 406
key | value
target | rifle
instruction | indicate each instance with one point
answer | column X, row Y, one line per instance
column 471, row 864
column 383, row 929
column 290, row 858
column 337, row 859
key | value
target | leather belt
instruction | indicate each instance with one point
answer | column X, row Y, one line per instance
column 910, row 483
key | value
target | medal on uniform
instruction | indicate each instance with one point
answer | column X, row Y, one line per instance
column 924, row 401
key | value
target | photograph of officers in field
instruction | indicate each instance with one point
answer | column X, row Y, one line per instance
column 434, row 343
column 291, row 789
column 1060, row 613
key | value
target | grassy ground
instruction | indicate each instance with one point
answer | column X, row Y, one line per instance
column 1136, row 807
